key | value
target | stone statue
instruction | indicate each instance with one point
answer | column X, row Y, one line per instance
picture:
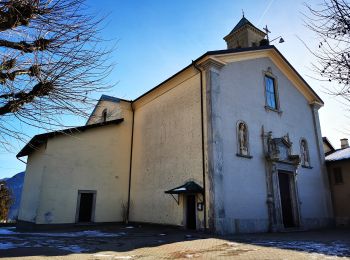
column 243, row 139
column 304, row 154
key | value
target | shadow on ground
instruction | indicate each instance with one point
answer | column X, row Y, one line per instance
column 117, row 238
column 124, row 239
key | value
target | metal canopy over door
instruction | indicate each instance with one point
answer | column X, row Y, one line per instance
column 189, row 190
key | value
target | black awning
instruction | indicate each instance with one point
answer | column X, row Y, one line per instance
column 188, row 187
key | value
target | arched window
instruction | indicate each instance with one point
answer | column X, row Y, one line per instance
column 242, row 139
column 104, row 115
column 304, row 152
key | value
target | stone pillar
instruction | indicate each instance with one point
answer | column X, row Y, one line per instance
column 327, row 193
column 215, row 153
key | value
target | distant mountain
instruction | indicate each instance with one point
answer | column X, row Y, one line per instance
column 15, row 184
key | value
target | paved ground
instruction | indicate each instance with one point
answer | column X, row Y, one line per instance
column 147, row 242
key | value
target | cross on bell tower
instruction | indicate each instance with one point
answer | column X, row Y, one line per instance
column 267, row 31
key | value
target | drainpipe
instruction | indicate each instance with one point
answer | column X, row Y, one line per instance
column 203, row 154
column 130, row 166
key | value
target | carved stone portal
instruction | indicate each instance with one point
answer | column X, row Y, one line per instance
column 281, row 175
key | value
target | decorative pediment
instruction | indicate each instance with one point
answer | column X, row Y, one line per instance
column 279, row 149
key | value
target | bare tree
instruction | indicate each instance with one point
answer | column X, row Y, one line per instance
column 50, row 63
column 331, row 23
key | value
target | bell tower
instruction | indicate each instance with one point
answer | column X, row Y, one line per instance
column 245, row 35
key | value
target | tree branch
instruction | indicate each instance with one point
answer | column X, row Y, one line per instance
column 38, row 45
column 21, row 98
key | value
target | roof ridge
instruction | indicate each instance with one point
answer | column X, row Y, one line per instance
column 244, row 21
column 105, row 97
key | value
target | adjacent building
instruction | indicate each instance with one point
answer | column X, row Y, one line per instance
column 338, row 165
column 231, row 143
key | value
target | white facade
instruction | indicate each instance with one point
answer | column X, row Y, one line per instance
column 240, row 183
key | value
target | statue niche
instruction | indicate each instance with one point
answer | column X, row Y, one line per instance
column 304, row 153
column 243, row 139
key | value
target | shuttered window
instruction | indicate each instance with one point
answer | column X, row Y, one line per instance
column 338, row 175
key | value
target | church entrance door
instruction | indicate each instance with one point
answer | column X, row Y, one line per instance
column 286, row 195
column 86, row 201
column 191, row 211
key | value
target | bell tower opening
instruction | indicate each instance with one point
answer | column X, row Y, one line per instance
column 245, row 35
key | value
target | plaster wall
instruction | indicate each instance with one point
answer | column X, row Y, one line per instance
column 240, row 183
column 115, row 110
column 32, row 185
column 326, row 148
column 340, row 192
column 96, row 159
column 167, row 150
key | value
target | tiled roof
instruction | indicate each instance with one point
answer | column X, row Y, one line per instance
column 241, row 23
column 112, row 99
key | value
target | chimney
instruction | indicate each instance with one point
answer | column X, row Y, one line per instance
column 344, row 143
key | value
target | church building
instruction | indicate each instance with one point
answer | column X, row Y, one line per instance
column 231, row 144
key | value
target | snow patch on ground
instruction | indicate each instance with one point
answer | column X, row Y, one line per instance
column 88, row 233
column 10, row 245
column 73, row 248
column 7, row 245
column 7, row 231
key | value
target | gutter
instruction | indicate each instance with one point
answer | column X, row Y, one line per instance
column 130, row 160
column 21, row 160
column 203, row 155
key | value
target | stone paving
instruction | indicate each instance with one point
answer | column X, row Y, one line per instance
column 154, row 242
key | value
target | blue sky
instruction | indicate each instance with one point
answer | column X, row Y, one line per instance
column 155, row 39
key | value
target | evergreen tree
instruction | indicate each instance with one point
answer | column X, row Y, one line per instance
column 5, row 201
